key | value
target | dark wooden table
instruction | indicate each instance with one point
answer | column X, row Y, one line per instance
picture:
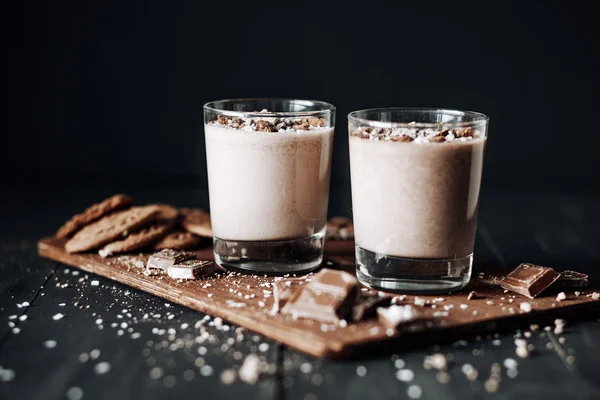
column 104, row 329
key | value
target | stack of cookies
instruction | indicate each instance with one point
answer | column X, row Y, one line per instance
column 114, row 226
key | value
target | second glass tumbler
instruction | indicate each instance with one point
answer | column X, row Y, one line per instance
column 415, row 192
column 269, row 163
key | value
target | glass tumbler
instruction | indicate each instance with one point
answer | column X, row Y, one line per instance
column 415, row 176
column 269, row 164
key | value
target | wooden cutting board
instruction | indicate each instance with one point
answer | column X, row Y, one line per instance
column 246, row 300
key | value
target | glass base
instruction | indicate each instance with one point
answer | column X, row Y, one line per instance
column 412, row 275
column 275, row 257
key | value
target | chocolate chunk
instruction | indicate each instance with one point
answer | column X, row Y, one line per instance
column 394, row 316
column 283, row 291
column 328, row 297
column 302, row 125
column 529, row 280
column 192, row 269
column 265, row 126
column 466, row 132
column 316, row 122
column 571, row 279
column 366, row 304
column 333, row 281
column 237, row 122
column 402, row 138
column 167, row 258
column 222, row 120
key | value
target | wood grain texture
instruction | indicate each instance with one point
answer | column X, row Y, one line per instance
column 356, row 340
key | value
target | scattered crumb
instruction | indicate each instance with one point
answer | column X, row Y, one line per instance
column 443, row 377
column 414, row 391
column 510, row 363
column 50, row 344
column 94, row 354
column 559, row 325
column 472, row 295
column 525, row 307
column 437, row 361
column 419, row 301
column 522, row 351
column 102, row 368
column 58, row 316
column 249, row 371
column 6, row 374
column 361, row 371
column 561, row 296
column 405, row 375
column 228, row 376
column 75, row 393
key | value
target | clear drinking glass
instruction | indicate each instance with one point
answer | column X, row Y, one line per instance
column 269, row 164
column 415, row 175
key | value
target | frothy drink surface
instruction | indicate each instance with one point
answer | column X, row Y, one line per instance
column 268, row 185
column 416, row 199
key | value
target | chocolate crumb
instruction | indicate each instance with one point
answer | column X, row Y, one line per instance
column 314, row 121
column 402, row 138
column 265, row 126
column 467, row 132
column 222, row 120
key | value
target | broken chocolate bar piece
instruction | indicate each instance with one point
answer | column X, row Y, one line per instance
column 328, row 297
column 333, row 281
column 366, row 304
column 283, row 291
column 529, row 280
column 571, row 279
column 192, row 269
column 395, row 315
column 323, row 306
column 166, row 258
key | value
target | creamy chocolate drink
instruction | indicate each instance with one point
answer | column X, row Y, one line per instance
column 269, row 163
column 268, row 185
column 415, row 195
column 417, row 198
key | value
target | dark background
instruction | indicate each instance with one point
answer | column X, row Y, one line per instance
column 112, row 91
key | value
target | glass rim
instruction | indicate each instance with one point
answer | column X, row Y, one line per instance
column 478, row 118
column 325, row 107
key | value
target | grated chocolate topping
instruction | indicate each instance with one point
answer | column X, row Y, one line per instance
column 269, row 124
column 417, row 135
